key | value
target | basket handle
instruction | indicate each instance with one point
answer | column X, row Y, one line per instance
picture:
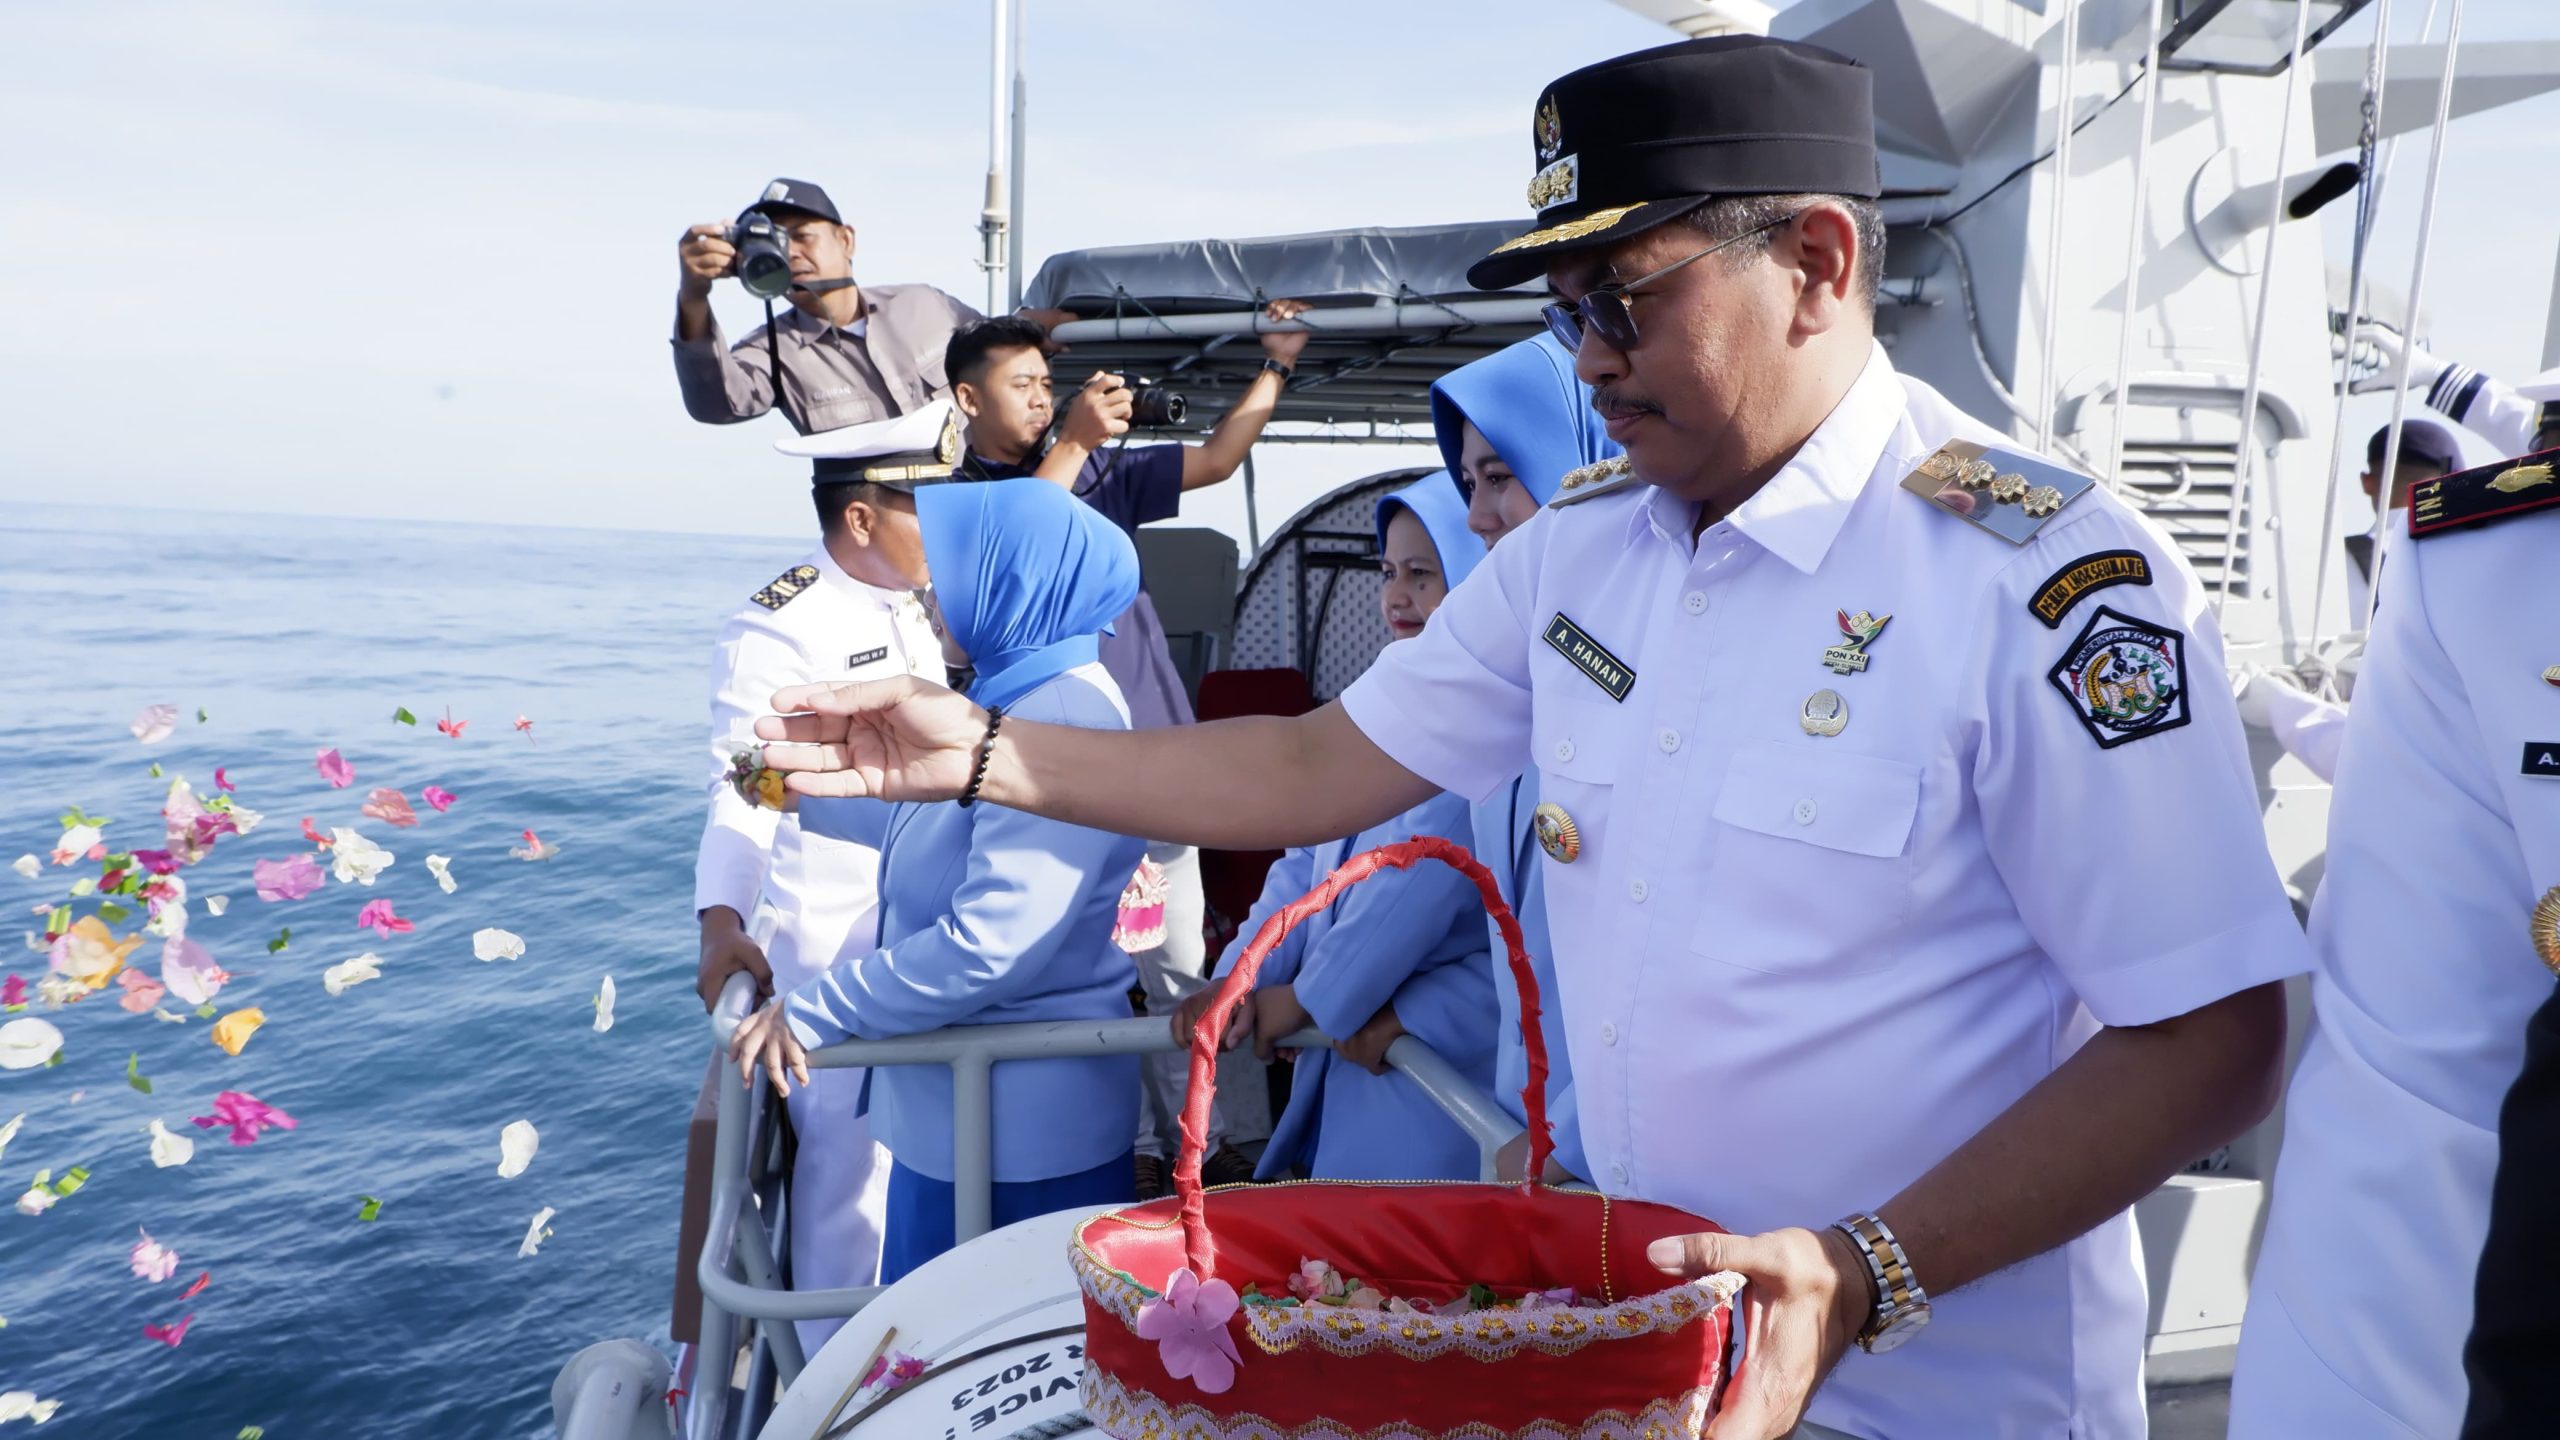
column 1237, row 989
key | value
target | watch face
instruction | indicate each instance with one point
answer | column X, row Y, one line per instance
column 1896, row 1331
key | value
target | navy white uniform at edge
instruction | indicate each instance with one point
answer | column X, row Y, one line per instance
column 1810, row 946
column 2443, row 839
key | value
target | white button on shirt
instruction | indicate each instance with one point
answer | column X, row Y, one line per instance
column 1879, row 940
column 2439, row 845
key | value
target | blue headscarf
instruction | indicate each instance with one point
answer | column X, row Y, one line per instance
column 1026, row 575
column 1434, row 500
column 1533, row 411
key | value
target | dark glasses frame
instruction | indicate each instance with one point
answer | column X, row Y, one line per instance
column 1605, row 308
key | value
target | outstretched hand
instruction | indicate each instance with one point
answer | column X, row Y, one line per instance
column 896, row 739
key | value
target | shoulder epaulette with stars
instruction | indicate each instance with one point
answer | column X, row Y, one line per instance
column 785, row 586
column 2009, row 494
column 2493, row 492
column 1592, row 481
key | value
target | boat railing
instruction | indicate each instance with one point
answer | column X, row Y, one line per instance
column 740, row 1265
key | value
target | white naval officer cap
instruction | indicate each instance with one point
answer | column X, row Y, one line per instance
column 921, row 447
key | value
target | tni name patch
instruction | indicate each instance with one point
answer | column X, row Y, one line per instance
column 1590, row 657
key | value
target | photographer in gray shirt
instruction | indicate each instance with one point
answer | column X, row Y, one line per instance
column 848, row 353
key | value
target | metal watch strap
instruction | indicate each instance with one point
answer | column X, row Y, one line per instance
column 1896, row 1291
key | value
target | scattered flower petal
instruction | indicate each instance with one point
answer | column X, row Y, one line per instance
column 438, row 797
column 13, row 992
column 390, row 807
column 168, row 1147
column 38, row 1199
column 169, row 1335
column 232, row 1031
column 77, row 841
column 442, row 869
column 151, row 1260
column 337, row 978
column 188, row 970
column 357, row 860
column 221, row 781
column 496, row 944
column 28, row 867
column 516, row 1145
column 216, row 904
column 291, row 878
column 451, row 726
column 203, row 1278
column 314, row 836
column 533, row 848
column 23, row 1405
column 524, row 727
column 246, row 1114
column 604, row 1006
column 157, row 862
column 141, row 992
column 9, row 1131
column 90, row 954
column 154, row 723
column 333, row 767
column 537, row 1232
column 28, row 1043
column 377, row 915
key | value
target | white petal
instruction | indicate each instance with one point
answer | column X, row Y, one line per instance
column 168, row 1147
column 27, row 866
column 9, row 1131
column 28, row 1042
column 496, row 944
column 537, row 1232
column 36, row 1201
column 245, row 818
column 353, row 971
column 516, row 1145
column 441, row 868
column 216, row 904
column 604, row 1006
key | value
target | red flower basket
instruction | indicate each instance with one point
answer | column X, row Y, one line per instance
column 1632, row 1357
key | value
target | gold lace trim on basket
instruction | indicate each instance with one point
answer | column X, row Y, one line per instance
column 1131, row 1414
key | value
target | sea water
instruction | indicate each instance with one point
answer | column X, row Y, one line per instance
column 293, row 636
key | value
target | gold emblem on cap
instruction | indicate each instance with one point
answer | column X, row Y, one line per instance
column 2517, row 478
column 1556, row 832
column 2546, row 928
column 948, row 451
column 1553, row 185
column 2041, row 501
column 1591, row 224
column 1550, row 129
column 1825, row 713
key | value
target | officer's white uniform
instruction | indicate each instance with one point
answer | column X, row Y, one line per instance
column 2504, row 415
column 1798, row 970
column 814, row 624
column 2444, row 833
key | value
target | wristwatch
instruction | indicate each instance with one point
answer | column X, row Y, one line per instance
column 1902, row 1307
column 1276, row 368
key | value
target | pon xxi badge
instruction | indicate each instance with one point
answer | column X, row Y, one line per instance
column 2125, row 678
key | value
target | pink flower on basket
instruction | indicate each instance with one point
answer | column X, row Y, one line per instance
column 1316, row 1280
column 1189, row 1326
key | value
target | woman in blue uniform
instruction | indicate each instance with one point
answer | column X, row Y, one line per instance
column 989, row 915
column 1403, row 952
column 1511, row 426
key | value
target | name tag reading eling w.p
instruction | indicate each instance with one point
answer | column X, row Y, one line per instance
column 1590, row 657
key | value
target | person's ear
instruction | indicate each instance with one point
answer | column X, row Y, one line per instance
column 1821, row 246
column 966, row 398
column 845, row 232
column 860, row 521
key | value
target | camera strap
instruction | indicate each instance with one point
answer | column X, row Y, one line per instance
column 781, row 392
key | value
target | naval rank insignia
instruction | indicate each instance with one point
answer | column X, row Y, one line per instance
column 786, row 585
column 1590, row 657
column 2125, row 678
column 1857, row 632
column 2491, row 492
column 2008, row 494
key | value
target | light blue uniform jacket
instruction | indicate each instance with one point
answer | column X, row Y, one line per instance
column 988, row 916
column 1506, row 846
column 1415, row 937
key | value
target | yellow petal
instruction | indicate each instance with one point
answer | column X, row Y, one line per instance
column 232, row 1031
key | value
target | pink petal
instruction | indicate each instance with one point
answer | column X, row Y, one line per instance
column 192, row 1291
column 390, row 806
column 169, row 1335
column 141, row 992
column 288, row 879
column 334, row 768
column 377, row 915
column 222, row 782
column 439, row 797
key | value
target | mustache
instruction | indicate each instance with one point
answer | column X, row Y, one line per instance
column 1618, row 400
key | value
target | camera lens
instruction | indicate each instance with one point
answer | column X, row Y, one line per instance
column 764, row 257
column 1152, row 407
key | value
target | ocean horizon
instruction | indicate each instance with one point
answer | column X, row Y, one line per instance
column 293, row 635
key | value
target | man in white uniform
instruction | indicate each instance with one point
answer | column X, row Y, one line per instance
column 2444, row 836
column 782, row 904
column 2514, row 419
column 1904, row 865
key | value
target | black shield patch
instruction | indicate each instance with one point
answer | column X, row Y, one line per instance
column 2125, row 678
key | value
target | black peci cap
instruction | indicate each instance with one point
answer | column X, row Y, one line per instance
column 1629, row 143
column 784, row 196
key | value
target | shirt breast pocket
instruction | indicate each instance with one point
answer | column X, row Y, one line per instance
column 1809, row 866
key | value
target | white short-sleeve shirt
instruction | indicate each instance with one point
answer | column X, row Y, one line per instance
column 1798, row 970
column 814, row 624
column 2444, row 833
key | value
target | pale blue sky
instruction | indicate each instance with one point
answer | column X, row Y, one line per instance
column 416, row 261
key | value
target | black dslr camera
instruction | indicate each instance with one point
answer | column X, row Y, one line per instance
column 1153, row 407
column 763, row 265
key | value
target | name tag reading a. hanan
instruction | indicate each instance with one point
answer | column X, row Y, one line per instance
column 1590, row 657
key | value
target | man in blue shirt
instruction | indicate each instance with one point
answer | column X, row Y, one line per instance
column 1000, row 382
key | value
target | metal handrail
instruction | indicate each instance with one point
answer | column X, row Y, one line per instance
column 971, row 1052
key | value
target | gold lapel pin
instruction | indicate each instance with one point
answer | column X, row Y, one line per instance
column 2546, row 928
column 1556, row 832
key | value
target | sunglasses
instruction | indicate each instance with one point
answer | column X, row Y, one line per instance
column 1606, row 309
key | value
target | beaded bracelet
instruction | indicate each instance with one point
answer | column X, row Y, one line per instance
column 986, row 752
